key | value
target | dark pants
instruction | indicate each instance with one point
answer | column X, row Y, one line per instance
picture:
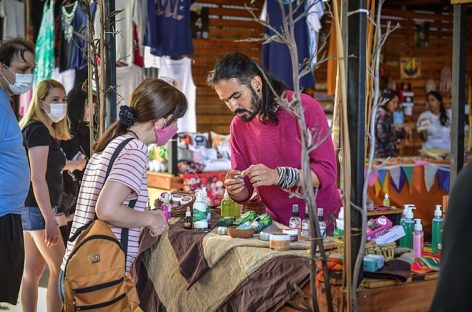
column 12, row 257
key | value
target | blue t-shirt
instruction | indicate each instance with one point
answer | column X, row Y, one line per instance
column 276, row 57
column 168, row 29
column 14, row 168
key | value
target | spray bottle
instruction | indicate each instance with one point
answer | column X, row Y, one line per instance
column 408, row 226
column 386, row 201
column 418, row 239
column 437, row 228
column 339, row 229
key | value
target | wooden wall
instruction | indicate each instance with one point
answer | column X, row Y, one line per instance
column 229, row 21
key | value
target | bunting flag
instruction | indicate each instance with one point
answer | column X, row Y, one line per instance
column 395, row 173
column 373, row 177
column 382, row 173
column 386, row 184
column 417, row 178
column 408, row 171
column 377, row 188
column 444, row 179
column 429, row 175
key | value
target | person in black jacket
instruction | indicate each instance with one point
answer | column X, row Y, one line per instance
column 454, row 285
column 76, row 148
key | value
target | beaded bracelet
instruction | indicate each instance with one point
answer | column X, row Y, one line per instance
column 288, row 177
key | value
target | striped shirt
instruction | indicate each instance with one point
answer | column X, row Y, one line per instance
column 129, row 169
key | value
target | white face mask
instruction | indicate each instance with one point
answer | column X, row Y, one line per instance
column 57, row 112
column 23, row 82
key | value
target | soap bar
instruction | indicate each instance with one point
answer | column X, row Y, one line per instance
column 373, row 263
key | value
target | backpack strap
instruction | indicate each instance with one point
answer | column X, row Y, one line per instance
column 115, row 154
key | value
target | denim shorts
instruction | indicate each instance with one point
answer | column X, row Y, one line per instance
column 32, row 219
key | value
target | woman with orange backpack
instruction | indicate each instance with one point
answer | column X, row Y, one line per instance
column 114, row 190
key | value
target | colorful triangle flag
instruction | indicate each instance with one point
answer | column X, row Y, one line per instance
column 373, row 177
column 408, row 171
column 377, row 188
column 429, row 175
column 395, row 173
column 444, row 179
column 386, row 184
column 382, row 173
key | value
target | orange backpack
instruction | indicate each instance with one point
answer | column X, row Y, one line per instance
column 95, row 273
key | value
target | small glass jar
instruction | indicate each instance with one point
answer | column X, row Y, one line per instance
column 293, row 234
column 279, row 242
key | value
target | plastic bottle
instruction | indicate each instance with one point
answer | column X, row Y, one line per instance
column 339, row 229
column 295, row 222
column 208, row 201
column 437, row 228
column 408, row 225
column 226, row 205
column 418, row 239
column 321, row 222
column 200, row 212
column 386, row 201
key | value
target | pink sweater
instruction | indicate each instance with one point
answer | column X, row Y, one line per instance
column 279, row 145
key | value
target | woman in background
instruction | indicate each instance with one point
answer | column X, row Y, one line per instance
column 434, row 125
column 78, row 147
column 42, row 126
column 387, row 134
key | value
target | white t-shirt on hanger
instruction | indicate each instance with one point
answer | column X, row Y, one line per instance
column 180, row 71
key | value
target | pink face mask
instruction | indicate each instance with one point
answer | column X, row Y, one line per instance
column 165, row 134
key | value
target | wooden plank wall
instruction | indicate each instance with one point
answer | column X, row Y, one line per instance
column 229, row 21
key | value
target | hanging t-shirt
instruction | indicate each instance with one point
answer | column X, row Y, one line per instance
column 73, row 50
column 127, row 79
column 44, row 50
column 35, row 133
column 66, row 78
column 168, row 29
column 180, row 71
column 276, row 57
column 12, row 12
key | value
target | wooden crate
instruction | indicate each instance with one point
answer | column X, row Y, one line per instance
column 165, row 181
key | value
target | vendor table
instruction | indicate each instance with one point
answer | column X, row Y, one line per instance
column 186, row 270
column 414, row 295
column 419, row 182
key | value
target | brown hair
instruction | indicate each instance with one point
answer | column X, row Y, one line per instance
column 152, row 99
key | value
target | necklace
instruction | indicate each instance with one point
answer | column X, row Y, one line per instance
column 133, row 133
column 67, row 18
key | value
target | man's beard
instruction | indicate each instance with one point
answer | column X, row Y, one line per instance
column 248, row 115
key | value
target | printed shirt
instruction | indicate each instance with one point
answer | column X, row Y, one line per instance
column 386, row 136
column 129, row 169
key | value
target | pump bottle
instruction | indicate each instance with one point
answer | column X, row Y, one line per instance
column 408, row 226
column 418, row 236
column 437, row 228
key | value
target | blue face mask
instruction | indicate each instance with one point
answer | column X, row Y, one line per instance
column 23, row 82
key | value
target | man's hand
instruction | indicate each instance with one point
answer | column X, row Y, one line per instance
column 234, row 182
column 261, row 175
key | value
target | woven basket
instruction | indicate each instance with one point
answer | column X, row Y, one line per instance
column 178, row 211
column 371, row 248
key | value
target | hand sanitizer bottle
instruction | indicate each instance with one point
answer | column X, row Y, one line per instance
column 437, row 228
column 418, row 236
